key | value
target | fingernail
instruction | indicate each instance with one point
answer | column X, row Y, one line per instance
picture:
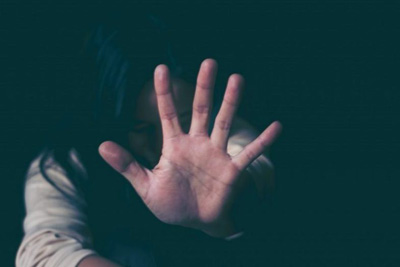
column 161, row 72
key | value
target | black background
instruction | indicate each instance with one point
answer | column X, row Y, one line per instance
column 328, row 70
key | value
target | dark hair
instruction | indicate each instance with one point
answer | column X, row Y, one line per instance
column 118, row 56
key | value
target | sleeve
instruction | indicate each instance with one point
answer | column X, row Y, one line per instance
column 261, row 169
column 55, row 229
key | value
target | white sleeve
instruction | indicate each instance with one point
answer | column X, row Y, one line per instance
column 55, row 229
column 261, row 169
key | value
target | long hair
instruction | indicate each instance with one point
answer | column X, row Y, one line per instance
column 118, row 56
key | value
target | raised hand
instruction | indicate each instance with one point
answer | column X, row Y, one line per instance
column 195, row 181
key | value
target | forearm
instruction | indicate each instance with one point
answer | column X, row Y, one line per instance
column 97, row 261
column 55, row 229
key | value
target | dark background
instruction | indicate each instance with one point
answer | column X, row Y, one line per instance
column 328, row 70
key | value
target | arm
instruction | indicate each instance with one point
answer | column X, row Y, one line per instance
column 55, row 227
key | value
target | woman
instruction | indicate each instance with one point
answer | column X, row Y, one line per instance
column 184, row 164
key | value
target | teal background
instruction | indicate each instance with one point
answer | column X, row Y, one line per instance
column 328, row 70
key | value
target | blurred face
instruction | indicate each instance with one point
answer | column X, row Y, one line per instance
column 145, row 138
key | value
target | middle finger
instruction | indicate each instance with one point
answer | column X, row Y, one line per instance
column 202, row 102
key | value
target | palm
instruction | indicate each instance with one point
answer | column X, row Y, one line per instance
column 194, row 185
column 195, row 181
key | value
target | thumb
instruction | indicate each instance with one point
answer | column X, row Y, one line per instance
column 124, row 163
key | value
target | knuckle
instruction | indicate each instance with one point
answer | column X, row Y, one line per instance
column 224, row 125
column 162, row 91
column 203, row 85
column 168, row 116
column 202, row 109
column 249, row 154
column 264, row 142
column 230, row 100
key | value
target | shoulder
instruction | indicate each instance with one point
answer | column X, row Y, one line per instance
column 47, row 178
column 46, row 160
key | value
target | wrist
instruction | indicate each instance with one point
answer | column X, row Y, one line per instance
column 223, row 229
column 234, row 236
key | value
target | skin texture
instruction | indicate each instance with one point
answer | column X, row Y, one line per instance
column 145, row 138
column 194, row 181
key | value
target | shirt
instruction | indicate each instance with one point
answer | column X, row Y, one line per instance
column 55, row 228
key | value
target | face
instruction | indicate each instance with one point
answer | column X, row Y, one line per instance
column 145, row 137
